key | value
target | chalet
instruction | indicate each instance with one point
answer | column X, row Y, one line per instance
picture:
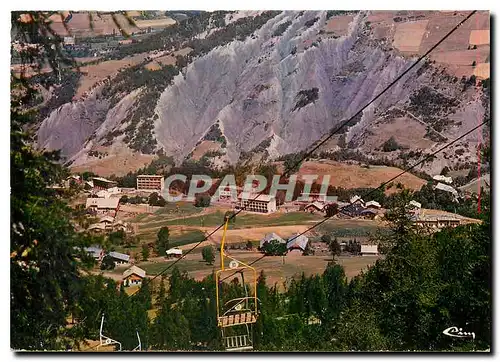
column 95, row 251
column 269, row 237
column 315, row 206
column 97, row 228
column 315, row 196
column 356, row 200
column 264, row 204
column 100, row 183
column 119, row 258
column 106, row 219
column 174, row 253
column 119, row 225
column 297, row 243
column 101, row 206
column 133, row 276
column 369, row 250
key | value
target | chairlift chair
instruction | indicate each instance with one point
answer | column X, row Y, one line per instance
column 236, row 317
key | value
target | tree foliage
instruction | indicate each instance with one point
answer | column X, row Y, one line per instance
column 208, row 254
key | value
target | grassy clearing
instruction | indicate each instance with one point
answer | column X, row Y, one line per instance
column 178, row 208
column 213, row 219
column 188, row 237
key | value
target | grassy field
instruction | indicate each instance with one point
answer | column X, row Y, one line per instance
column 244, row 221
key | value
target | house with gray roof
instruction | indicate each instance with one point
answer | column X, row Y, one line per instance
column 297, row 242
column 269, row 237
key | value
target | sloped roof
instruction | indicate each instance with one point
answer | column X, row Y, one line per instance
column 101, row 203
column 174, row 251
column 134, row 270
column 98, row 226
column 94, row 249
column 447, row 188
column 295, row 241
column 355, row 199
column 372, row 203
column 271, row 236
column 102, row 179
column 120, row 256
column 416, row 204
column 316, row 204
column 448, row 180
column 107, row 218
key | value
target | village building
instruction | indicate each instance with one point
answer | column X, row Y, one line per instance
column 133, row 276
column 442, row 178
column 447, row 188
column 108, row 192
column 119, row 258
column 106, row 219
column 415, row 205
column 265, row 204
column 297, row 243
column 72, row 180
column 174, row 253
column 435, row 222
column 102, row 206
column 356, row 199
column 88, row 185
column 369, row 214
column 95, row 251
column 369, row 250
column 353, row 210
column 150, row 183
column 314, row 207
column 227, row 192
column 100, row 183
column 69, row 40
column 269, row 237
column 97, row 228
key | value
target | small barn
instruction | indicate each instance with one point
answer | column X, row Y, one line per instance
column 314, row 207
column 133, row 276
column 297, row 243
column 174, row 253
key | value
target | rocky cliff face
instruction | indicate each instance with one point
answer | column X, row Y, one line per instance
column 277, row 91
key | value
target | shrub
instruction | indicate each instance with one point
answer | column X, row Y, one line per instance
column 274, row 247
column 390, row 145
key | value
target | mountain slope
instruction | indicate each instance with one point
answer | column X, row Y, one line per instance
column 272, row 83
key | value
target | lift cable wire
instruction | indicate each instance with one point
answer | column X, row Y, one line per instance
column 309, row 153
